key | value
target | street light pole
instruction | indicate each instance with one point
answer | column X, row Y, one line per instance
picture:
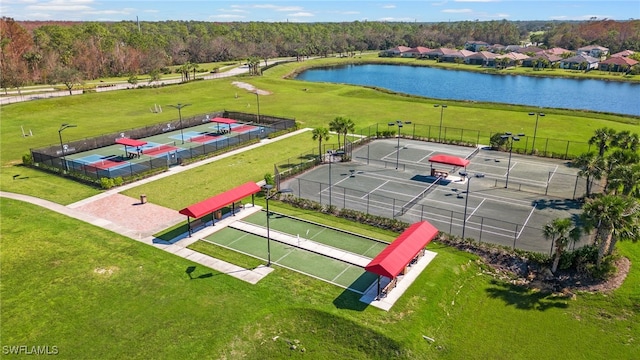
column 510, row 138
column 267, row 189
column 535, row 130
column 179, row 107
column 399, row 124
column 64, row 159
column 442, row 107
column 466, row 202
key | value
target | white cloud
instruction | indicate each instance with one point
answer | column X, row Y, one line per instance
column 277, row 8
column 388, row 6
column 457, row 11
column 476, row 1
column 227, row 17
column 61, row 5
column 301, row 14
column 392, row 19
column 151, row 11
column 109, row 12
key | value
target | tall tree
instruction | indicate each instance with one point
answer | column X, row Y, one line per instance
column 591, row 168
column 336, row 126
column 625, row 180
column 561, row 232
column 614, row 218
column 602, row 138
column 320, row 134
column 348, row 126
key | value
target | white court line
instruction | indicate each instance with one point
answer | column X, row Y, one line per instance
column 367, row 194
column 553, row 173
column 428, row 155
column 511, row 168
column 285, row 255
column 526, row 221
column 342, row 272
column 477, row 207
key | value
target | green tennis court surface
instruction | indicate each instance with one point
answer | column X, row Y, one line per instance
column 318, row 266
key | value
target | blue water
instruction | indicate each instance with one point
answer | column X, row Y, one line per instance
column 595, row 95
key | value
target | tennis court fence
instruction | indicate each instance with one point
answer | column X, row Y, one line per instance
column 480, row 228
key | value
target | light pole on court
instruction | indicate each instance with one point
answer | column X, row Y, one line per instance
column 64, row 159
column 399, row 124
column 179, row 107
column 535, row 129
column 258, row 101
column 466, row 203
column 442, row 107
column 268, row 195
column 510, row 138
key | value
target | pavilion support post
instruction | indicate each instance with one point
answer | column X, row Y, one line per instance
column 378, row 296
column 189, row 225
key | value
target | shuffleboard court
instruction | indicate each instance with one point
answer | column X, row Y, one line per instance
column 315, row 265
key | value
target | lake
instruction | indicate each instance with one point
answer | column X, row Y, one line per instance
column 580, row 94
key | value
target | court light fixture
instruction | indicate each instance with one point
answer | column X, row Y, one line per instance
column 442, row 107
column 62, row 150
column 399, row 124
column 179, row 106
column 510, row 138
column 268, row 195
column 535, row 129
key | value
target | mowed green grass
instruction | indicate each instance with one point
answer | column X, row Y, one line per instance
column 148, row 308
column 102, row 113
column 89, row 291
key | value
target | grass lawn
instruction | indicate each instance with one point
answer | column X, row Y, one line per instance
column 95, row 294
column 88, row 291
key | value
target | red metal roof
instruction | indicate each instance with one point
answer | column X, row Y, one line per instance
column 130, row 142
column 221, row 200
column 392, row 260
column 223, row 120
column 449, row 160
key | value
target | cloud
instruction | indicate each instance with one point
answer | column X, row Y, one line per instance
column 109, row 12
column 476, row 1
column 275, row 7
column 227, row 17
column 388, row 6
column 392, row 19
column 61, row 5
column 457, row 11
column 301, row 14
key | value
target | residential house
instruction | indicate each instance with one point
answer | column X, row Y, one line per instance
column 396, row 51
column 416, row 52
column 559, row 52
column 496, row 48
column 624, row 53
column 580, row 62
column 439, row 53
column 593, row 51
column 513, row 59
column 458, row 55
column 540, row 59
column 483, row 58
column 476, row 45
column 529, row 49
column 618, row 63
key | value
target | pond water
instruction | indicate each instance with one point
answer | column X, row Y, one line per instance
column 595, row 95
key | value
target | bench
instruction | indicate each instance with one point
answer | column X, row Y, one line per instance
column 389, row 287
column 196, row 223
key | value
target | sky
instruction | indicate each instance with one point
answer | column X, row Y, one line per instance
column 319, row 11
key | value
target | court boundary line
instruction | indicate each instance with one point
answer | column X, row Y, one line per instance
column 290, row 268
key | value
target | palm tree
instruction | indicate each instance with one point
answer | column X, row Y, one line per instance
column 336, row 125
column 614, row 218
column 625, row 180
column 347, row 127
column 591, row 167
column 561, row 231
column 618, row 158
column 602, row 138
column 320, row 134
column 625, row 140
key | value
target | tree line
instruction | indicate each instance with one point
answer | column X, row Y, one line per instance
column 52, row 52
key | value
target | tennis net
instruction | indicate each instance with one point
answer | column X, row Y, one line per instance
column 418, row 197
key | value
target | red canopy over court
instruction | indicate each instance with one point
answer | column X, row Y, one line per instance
column 221, row 200
column 394, row 258
column 130, row 142
column 222, row 120
column 449, row 160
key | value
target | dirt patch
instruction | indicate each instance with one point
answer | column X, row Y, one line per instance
column 250, row 88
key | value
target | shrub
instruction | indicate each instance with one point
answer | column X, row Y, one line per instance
column 106, row 183
column 27, row 159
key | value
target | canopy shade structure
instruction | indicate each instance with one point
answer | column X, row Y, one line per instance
column 221, row 200
column 397, row 255
column 222, row 120
column 449, row 160
column 130, row 142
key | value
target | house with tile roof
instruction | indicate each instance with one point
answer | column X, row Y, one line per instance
column 416, row 52
column 593, row 51
column 483, row 58
column 396, row 51
column 617, row 64
column 461, row 55
column 623, row 53
column 580, row 62
column 439, row 53
column 559, row 52
column 541, row 60
column 476, row 46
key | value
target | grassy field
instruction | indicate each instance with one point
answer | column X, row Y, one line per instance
column 95, row 294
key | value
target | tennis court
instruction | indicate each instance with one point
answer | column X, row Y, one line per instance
column 165, row 149
column 539, row 190
column 295, row 255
